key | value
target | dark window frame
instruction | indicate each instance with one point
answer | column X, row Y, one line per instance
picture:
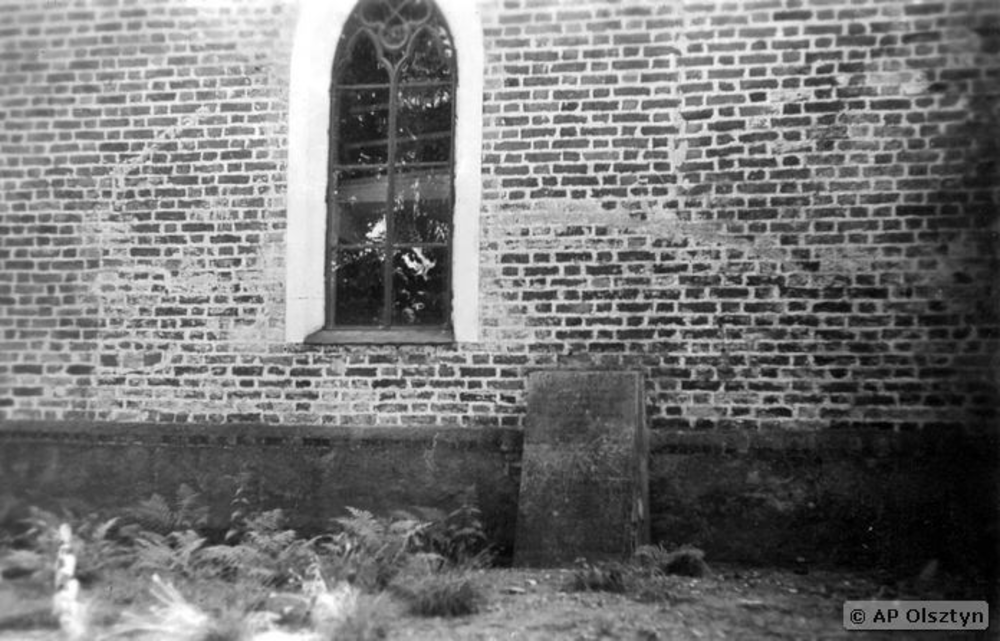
column 393, row 55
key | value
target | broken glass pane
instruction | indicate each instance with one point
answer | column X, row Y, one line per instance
column 359, row 282
column 363, row 125
column 419, row 286
column 422, row 207
column 424, row 124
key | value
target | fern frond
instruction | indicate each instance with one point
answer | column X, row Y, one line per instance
column 157, row 514
column 268, row 521
column 362, row 524
column 173, row 617
column 190, row 511
column 102, row 530
column 230, row 557
column 406, row 528
column 153, row 514
column 175, row 552
column 153, row 552
column 187, row 544
column 427, row 514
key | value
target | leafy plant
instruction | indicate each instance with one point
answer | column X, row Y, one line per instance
column 177, row 552
column 156, row 514
column 170, row 617
column 246, row 585
column 265, row 551
column 240, row 506
column 459, row 537
column 370, row 551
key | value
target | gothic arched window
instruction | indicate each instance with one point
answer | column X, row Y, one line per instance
column 390, row 189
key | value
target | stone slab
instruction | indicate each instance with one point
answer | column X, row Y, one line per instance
column 584, row 469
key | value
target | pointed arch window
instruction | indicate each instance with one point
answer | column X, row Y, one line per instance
column 390, row 193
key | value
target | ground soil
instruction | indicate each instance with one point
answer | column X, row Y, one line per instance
column 730, row 603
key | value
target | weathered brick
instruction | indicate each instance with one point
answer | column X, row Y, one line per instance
column 773, row 186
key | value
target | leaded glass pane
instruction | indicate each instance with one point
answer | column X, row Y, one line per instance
column 431, row 57
column 420, row 285
column 363, row 123
column 424, row 124
column 374, row 12
column 361, row 198
column 361, row 223
column 362, row 65
column 394, row 22
column 358, row 274
column 422, row 208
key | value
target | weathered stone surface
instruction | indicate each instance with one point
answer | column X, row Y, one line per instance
column 583, row 475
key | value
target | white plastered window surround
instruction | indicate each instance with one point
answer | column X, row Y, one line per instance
column 318, row 30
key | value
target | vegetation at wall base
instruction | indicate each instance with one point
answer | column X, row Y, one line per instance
column 155, row 572
column 646, row 577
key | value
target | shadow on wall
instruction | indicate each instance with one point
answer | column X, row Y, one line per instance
column 890, row 501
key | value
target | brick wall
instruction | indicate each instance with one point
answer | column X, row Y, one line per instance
column 784, row 212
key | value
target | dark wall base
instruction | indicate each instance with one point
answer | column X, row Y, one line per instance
column 311, row 473
column 845, row 498
column 854, row 499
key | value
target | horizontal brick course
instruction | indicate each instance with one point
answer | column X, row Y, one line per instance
column 783, row 215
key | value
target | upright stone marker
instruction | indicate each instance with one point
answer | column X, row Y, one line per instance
column 584, row 477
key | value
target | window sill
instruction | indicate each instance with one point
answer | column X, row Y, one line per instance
column 427, row 336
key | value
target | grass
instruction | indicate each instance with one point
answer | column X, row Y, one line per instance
column 645, row 577
column 449, row 594
column 684, row 561
column 599, row 578
column 369, row 620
